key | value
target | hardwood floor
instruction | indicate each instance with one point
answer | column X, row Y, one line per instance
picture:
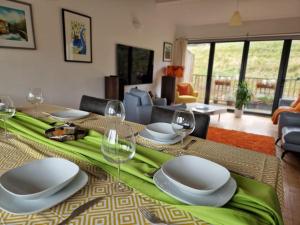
column 290, row 164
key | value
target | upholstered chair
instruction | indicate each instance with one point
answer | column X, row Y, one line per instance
column 92, row 104
column 165, row 114
column 185, row 93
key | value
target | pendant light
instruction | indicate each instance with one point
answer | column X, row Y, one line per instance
column 236, row 19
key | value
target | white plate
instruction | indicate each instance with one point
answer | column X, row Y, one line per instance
column 145, row 134
column 39, row 178
column 216, row 199
column 69, row 114
column 162, row 131
column 14, row 205
column 196, row 175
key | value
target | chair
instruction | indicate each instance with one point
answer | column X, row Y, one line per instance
column 138, row 105
column 289, row 132
column 92, row 104
column 163, row 114
column 185, row 93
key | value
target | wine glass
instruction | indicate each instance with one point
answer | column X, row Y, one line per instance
column 7, row 110
column 183, row 124
column 35, row 97
column 115, row 110
column 118, row 146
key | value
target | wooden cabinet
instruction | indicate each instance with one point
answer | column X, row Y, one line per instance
column 112, row 87
column 168, row 84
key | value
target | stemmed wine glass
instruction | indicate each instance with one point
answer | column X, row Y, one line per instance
column 183, row 124
column 118, row 146
column 35, row 97
column 115, row 110
column 7, row 110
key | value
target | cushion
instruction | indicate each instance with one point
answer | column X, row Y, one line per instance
column 296, row 102
column 291, row 135
column 183, row 89
column 143, row 95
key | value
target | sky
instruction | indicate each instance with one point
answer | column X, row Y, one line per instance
column 11, row 15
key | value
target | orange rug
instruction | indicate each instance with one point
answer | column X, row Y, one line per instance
column 254, row 142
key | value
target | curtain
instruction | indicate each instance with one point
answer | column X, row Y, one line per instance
column 180, row 48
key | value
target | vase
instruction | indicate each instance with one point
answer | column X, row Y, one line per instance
column 238, row 113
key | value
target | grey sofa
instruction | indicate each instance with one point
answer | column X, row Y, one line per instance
column 289, row 129
column 138, row 105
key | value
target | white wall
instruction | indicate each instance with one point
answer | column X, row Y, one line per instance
column 64, row 82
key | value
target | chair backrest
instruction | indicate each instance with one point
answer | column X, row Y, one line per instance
column 92, row 104
column 162, row 114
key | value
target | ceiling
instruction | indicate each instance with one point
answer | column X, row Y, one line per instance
column 162, row 1
column 202, row 12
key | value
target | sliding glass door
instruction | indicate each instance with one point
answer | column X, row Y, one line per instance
column 226, row 72
column 270, row 68
column 262, row 73
column 201, row 57
column 292, row 80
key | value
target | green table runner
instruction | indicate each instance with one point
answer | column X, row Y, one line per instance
column 253, row 203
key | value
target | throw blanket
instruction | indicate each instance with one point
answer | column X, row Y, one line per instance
column 254, row 203
column 276, row 114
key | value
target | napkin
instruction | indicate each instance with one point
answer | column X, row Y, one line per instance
column 254, row 203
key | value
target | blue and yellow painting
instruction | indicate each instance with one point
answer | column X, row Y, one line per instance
column 12, row 24
column 78, row 34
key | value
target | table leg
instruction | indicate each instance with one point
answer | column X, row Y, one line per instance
column 219, row 117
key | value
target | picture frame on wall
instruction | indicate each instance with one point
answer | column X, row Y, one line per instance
column 167, row 52
column 77, row 35
column 16, row 25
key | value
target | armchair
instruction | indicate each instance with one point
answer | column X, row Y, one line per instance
column 138, row 105
column 185, row 93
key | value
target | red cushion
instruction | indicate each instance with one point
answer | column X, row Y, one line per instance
column 183, row 89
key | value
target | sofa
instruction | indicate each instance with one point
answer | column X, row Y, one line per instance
column 138, row 105
column 185, row 93
column 289, row 129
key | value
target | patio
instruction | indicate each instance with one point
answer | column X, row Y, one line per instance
column 223, row 91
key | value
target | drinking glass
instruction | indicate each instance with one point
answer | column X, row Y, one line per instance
column 35, row 97
column 115, row 111
column 183, row 124
column 7, row 110
column 118, row 146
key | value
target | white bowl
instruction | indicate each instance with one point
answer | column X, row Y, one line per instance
column 196, row 175
column 162, row 131
column 39, row 178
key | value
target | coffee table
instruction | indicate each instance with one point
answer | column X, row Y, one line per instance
column 207, row 109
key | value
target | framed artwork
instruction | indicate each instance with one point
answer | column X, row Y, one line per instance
column 168, row 51
column 77, row 34
column 16, row 26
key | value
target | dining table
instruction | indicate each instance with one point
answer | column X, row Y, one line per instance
column 123, row 207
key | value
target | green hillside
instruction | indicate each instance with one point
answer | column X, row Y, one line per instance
column 263, row 60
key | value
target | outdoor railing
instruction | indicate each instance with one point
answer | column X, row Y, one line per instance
column 223, row 89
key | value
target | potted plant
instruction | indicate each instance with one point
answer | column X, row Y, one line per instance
column 243, row 97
